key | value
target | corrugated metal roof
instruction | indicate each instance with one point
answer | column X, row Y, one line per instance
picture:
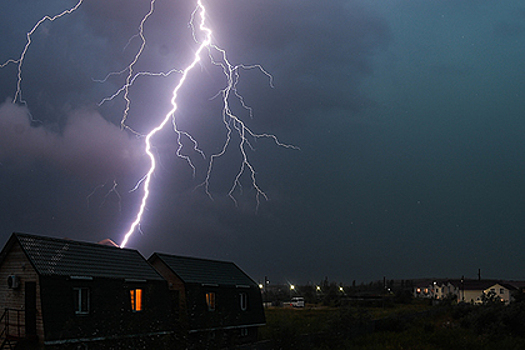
column 53, row 256
column 204, row 271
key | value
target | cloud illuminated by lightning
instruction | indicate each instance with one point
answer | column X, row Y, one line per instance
column 232, row 123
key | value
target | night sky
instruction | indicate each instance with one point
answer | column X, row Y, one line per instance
column 409, row 116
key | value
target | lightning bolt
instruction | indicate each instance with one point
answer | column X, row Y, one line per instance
column 232, row 123
column 147, row 178
column 20, row 60
column 106, row 196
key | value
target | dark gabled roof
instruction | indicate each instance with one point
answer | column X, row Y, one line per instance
column 62, row 257
column 508, row 286
column 204, row 271
column 477, row 284
column 469, row 284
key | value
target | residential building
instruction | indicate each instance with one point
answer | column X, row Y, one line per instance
column 218, row 300
column 59, row 291
column 466, row 290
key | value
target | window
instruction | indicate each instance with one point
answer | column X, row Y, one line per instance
column 136, row 299
column 244, row 301
column 81, row 301
column 244, row 332
column 210, row 301
column 501, row 291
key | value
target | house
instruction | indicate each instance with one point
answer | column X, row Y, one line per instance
column 218, row 300
column 57, row 292
column 476, row 291
column 466, row 290
column 502, row 291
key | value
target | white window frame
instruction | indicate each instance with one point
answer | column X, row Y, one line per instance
column 243, row 300
column 82, row 298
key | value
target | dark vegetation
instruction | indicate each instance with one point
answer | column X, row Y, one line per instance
column 394, row 320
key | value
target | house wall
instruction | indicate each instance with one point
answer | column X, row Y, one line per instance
column 444, row 290
column 174, row 283
column 16, row 263
column 501, row 292
column 110, row 313
column 227, row 318
column 228, row 312
column 472, row 296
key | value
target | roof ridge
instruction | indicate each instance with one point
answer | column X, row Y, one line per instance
column 199, row 270
column 194, row 258
column 69, row 240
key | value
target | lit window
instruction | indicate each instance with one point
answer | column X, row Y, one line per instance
column 81, row 301
column 210, row 301
column 244, row 301
column 136, row 299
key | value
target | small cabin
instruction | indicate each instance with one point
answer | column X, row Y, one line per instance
column 56, row 292
column 217, row 300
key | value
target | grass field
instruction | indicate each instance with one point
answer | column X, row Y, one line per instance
column 413, row 326
column 316, row 319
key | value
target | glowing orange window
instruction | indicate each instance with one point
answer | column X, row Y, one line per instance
column 136, row 299
column 210, row 301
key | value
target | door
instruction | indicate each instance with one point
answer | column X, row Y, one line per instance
column 30, row 308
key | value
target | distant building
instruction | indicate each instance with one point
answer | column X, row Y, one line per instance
column 467, row 290
column 474, row 291
column 56, row 292
column 218, row 301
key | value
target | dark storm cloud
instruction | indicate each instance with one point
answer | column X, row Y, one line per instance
column 318, row 54
column 408, row 115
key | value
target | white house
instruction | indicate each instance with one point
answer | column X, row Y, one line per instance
column 465, row 290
